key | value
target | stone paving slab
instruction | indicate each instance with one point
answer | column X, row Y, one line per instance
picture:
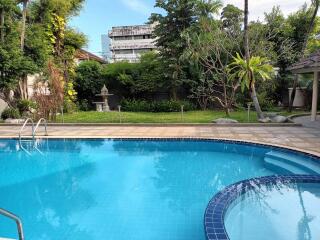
column 306, row 121
column 300, row 138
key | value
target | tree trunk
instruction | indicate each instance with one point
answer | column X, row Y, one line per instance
column 2, row 25
column 304, row 46
column 227, row 110
column 293, row 93
column 256, row 103
column 311, row 26
column 23, row 25
column 246, row 32
column 23, row 83
column 174, row 93
column 247, row 56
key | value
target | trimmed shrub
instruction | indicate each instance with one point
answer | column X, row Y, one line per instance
column 10, row 113
column 155, row 106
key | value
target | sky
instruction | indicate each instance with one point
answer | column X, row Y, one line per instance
column 98, row 16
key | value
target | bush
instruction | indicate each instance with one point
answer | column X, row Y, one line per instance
column 155, row 106
column 26, row 105
column 84, row 105
column 10, row 113
column 266, row 103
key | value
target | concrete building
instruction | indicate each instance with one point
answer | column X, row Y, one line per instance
column 129, row 42
column 105, row 46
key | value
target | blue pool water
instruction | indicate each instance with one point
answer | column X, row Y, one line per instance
column 286, row 212
column 137, row 190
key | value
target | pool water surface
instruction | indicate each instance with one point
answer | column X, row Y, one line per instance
column 126, row 189
column 282, row 211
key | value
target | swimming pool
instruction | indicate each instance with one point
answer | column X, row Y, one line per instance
column 127, row 189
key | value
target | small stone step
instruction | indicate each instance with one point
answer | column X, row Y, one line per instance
column 283, row 167
column 298, row 161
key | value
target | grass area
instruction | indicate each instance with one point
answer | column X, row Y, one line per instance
column 147, row 117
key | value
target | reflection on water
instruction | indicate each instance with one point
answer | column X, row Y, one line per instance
column 282, row 211
column 104, row 189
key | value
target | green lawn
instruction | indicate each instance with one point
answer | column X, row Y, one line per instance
column 146, row 117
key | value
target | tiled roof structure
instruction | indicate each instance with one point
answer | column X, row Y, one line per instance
column 85, row 55
column 307, row 64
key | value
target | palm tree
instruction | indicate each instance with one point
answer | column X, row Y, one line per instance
column 247, row 72
column 207, row 8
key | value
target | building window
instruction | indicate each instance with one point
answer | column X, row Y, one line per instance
column 141, row 51
column 124, row 51
column 122, row 38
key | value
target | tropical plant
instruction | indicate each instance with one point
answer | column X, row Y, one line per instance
column 248, row 72
column 10, row 113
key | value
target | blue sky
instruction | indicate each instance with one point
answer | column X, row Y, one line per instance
column 98, row 16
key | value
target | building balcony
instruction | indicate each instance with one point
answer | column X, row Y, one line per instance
column 131, row 30
column 132, row 46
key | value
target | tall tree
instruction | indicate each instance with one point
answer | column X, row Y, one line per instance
column 179, row 16
column 63, row 40
column 232, row 19
column 211, row 50
column 249, row 72
column 11, row 60
column 283, row 45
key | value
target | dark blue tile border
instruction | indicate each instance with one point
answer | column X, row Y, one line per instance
column 190, row 139
column 219, row 204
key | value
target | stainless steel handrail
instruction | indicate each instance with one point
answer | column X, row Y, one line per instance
column 24, row 125
column 45, row 127
column 16, row 219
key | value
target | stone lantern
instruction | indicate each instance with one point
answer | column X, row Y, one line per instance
column 103, row 106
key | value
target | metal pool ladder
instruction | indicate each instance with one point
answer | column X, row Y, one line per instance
column 34, row 128
column 33, row 135
column 24, row 125
column 38, row 124
column 16, row 219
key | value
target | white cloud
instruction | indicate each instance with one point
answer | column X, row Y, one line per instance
column 138, row 6
column 257, row 8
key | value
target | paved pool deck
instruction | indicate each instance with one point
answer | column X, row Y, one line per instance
column 306, row 121
column 300, row 138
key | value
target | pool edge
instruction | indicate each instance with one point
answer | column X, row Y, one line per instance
column 254, row 142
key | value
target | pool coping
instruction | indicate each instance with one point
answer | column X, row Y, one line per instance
column 218, row 206
column 293, row 116
column 289, row 124
column 190, row 138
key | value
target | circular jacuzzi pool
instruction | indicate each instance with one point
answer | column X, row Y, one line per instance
column 131, row 188
column 275, row 207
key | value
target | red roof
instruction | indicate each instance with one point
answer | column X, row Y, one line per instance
column 84, row 55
